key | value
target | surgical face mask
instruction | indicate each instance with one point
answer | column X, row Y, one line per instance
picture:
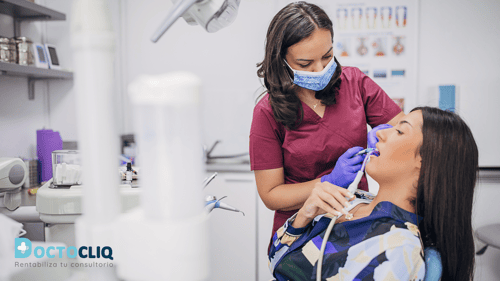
column 315, row 81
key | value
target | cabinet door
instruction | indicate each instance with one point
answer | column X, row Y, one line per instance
column 232, row 235
column 265, row 227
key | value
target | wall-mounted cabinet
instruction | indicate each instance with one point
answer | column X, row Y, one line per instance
column 22, row 10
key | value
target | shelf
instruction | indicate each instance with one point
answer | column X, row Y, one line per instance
column 12, row 69
column 33, row 74
column 25, row 10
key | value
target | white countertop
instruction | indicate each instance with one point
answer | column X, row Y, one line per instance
column 234, row 168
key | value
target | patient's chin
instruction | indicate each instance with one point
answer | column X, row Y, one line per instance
column 371, row 169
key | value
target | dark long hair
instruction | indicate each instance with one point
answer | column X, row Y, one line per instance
column 289, row 26
column 445, row 190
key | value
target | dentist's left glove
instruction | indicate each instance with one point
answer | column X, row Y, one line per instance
column 346, row 168
column 372, row 135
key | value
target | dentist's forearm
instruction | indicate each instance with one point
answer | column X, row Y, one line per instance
column 288, row 197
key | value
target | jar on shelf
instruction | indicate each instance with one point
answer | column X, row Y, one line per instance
column 25, row 51
column 8, row 52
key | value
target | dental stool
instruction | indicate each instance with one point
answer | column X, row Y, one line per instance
column 490, row 235
column 433, row 265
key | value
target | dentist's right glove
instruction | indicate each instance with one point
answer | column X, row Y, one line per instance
column 345, row 169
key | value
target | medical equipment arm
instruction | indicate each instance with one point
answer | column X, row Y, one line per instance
column 180, row 7
column 213, row 15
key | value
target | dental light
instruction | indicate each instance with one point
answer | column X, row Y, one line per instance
column 213, row 15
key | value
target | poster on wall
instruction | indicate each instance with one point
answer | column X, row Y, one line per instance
column 380, row 38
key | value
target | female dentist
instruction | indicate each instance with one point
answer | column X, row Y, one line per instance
column 313, row 110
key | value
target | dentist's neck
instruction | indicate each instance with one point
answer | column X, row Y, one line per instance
column 306, row 94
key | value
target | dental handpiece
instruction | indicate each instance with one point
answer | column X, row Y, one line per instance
column 354, row 185
column 364, row 151
column 211, row 203
column 225, row 206
column 209, row 179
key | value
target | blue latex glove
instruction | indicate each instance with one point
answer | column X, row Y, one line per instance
column 346, row 168
column 372, row 137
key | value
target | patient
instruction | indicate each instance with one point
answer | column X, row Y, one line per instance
column 427, row 167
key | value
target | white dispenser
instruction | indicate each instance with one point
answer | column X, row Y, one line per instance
column 13, row 173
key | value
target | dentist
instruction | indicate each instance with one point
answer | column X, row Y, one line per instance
column 311, row 120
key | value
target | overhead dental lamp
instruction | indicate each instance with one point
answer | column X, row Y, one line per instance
column 213, row 15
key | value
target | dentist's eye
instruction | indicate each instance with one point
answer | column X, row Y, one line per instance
column 304, row 66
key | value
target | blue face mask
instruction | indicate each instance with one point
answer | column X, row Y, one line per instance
column 315, row 81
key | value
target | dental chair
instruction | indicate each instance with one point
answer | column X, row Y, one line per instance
column 490, row 235
column 433, row 265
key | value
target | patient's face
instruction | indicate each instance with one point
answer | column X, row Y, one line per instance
column 398, row 145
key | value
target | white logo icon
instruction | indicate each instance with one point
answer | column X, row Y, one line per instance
column 22, row 247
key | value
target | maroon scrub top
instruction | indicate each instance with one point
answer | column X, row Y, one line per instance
column 311, row 151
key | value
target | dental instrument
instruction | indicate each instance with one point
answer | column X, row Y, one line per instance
column 211, row 203
column 209, row 179
column 352, row 188
column 364, row 151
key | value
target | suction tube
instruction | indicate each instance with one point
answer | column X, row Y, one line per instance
column 352, row 188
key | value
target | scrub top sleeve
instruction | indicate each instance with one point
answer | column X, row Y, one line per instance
column 379, row 107
column 265, row 144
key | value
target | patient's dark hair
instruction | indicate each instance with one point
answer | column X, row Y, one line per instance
column 290, row 25
column 446, row 189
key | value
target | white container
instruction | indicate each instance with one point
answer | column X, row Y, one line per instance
column 167, row 126
column 170, row 156
column 66, row 168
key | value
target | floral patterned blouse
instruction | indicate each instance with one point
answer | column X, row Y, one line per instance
column 382, row 246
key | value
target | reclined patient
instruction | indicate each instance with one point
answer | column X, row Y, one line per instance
column 427, row 172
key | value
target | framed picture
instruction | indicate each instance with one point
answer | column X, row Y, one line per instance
column 41, row 59
column 52, row 56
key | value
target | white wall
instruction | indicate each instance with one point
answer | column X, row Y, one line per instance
column 225, row 61
column 486, row 212
column 459, row 45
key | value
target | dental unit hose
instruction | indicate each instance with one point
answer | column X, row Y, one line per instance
column 352, row 189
